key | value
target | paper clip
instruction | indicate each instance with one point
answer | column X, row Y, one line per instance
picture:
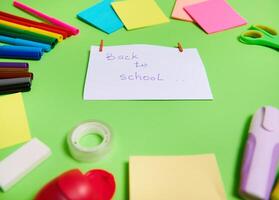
column 101, row 46
column 180, row 47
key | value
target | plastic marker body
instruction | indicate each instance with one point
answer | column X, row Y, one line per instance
column 50, row 19
column 21, row 52
column 261, row 155
column 22, row 42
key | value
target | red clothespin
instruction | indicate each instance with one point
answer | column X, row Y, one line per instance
column 101, row 46
column 180, row 47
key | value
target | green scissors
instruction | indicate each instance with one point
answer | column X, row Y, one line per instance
column 261, row 35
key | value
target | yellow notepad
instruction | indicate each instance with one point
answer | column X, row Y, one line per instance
column 14, row 127
column 139, row 13
column 175, row 177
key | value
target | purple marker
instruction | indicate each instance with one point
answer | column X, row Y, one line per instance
column 13, row 65
column 261, row 155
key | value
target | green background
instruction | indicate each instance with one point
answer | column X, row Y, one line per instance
column 242, row 79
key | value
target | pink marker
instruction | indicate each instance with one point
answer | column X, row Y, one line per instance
column 57, row 22
column 261, row 155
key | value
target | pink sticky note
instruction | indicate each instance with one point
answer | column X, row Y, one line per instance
column 178, row 11
column 214, row 15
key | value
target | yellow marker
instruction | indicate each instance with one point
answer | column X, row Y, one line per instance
column 275, row 193
column 59, row 37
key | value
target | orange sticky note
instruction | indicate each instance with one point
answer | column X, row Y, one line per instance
column 178, row 11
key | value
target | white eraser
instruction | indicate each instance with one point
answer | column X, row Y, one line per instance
column 21, row 162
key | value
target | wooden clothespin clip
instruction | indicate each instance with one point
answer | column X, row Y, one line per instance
column 101, row 46
column 180, row 47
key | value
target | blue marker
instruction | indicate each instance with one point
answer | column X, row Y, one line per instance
column 22, row 42
column 21, row 52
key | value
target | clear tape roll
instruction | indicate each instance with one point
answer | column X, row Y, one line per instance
column 89, row 154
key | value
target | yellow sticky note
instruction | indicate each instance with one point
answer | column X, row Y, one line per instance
column 14, row 127
column 175, row 177
column 139, row 13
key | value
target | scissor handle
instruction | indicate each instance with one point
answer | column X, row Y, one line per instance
column 265, row 30
column 259, row 38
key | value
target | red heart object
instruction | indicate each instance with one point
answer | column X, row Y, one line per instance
column 73, row 185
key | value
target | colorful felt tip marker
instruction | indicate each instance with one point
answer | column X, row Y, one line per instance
column 40, row 25
column 22, row 42
column 43, row 16
column 21, row 52
column 27, row 35
column 261, row 155
column 14, row 65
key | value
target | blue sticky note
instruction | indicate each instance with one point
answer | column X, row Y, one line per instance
column 102, row 16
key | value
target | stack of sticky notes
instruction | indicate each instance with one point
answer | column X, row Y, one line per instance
column 15, row 77
column 211, row 15
column 175, row 177
column 110, row 16
column 28, row 39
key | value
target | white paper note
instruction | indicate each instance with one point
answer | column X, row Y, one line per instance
column 145, row 72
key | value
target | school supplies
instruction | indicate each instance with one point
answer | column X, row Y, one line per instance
column 143, row 72
column 261, row 155
column 261, row 35
column 179, row 12
column 14, row 65
column 139, row 13
column 14, row 167
column 96, row 184
column 24, row 34
column 31, row 29
column 21, row 52
column 35, row 24
column 14, row 127
column 102, row 16
column 89, row 154
column 22, row 42
column 43, row 16
column 214, row 16
column 175, row 177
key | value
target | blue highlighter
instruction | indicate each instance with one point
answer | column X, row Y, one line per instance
column 21, row 52
column 22, row 42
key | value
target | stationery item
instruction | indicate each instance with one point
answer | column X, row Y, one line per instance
column 275, row 192
column 179, row 12
column 23, row 34
column 21, row 52
column 101, row 46
column 180, row 47
column 145, row 72
column 34, row 30
column 35, row 24
column 14, row 65
column 89, row 154
column 102, row 16
column 175, row 177
column 261, row 35
column 43, row 16
column 10, row 89
column 214, row 15
column 96, row 184
column 14, row 167
column 261, row 155
column 14, row 81
column 14, row 125
column 16, row 75
column 139, row 13
column 22, row 42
